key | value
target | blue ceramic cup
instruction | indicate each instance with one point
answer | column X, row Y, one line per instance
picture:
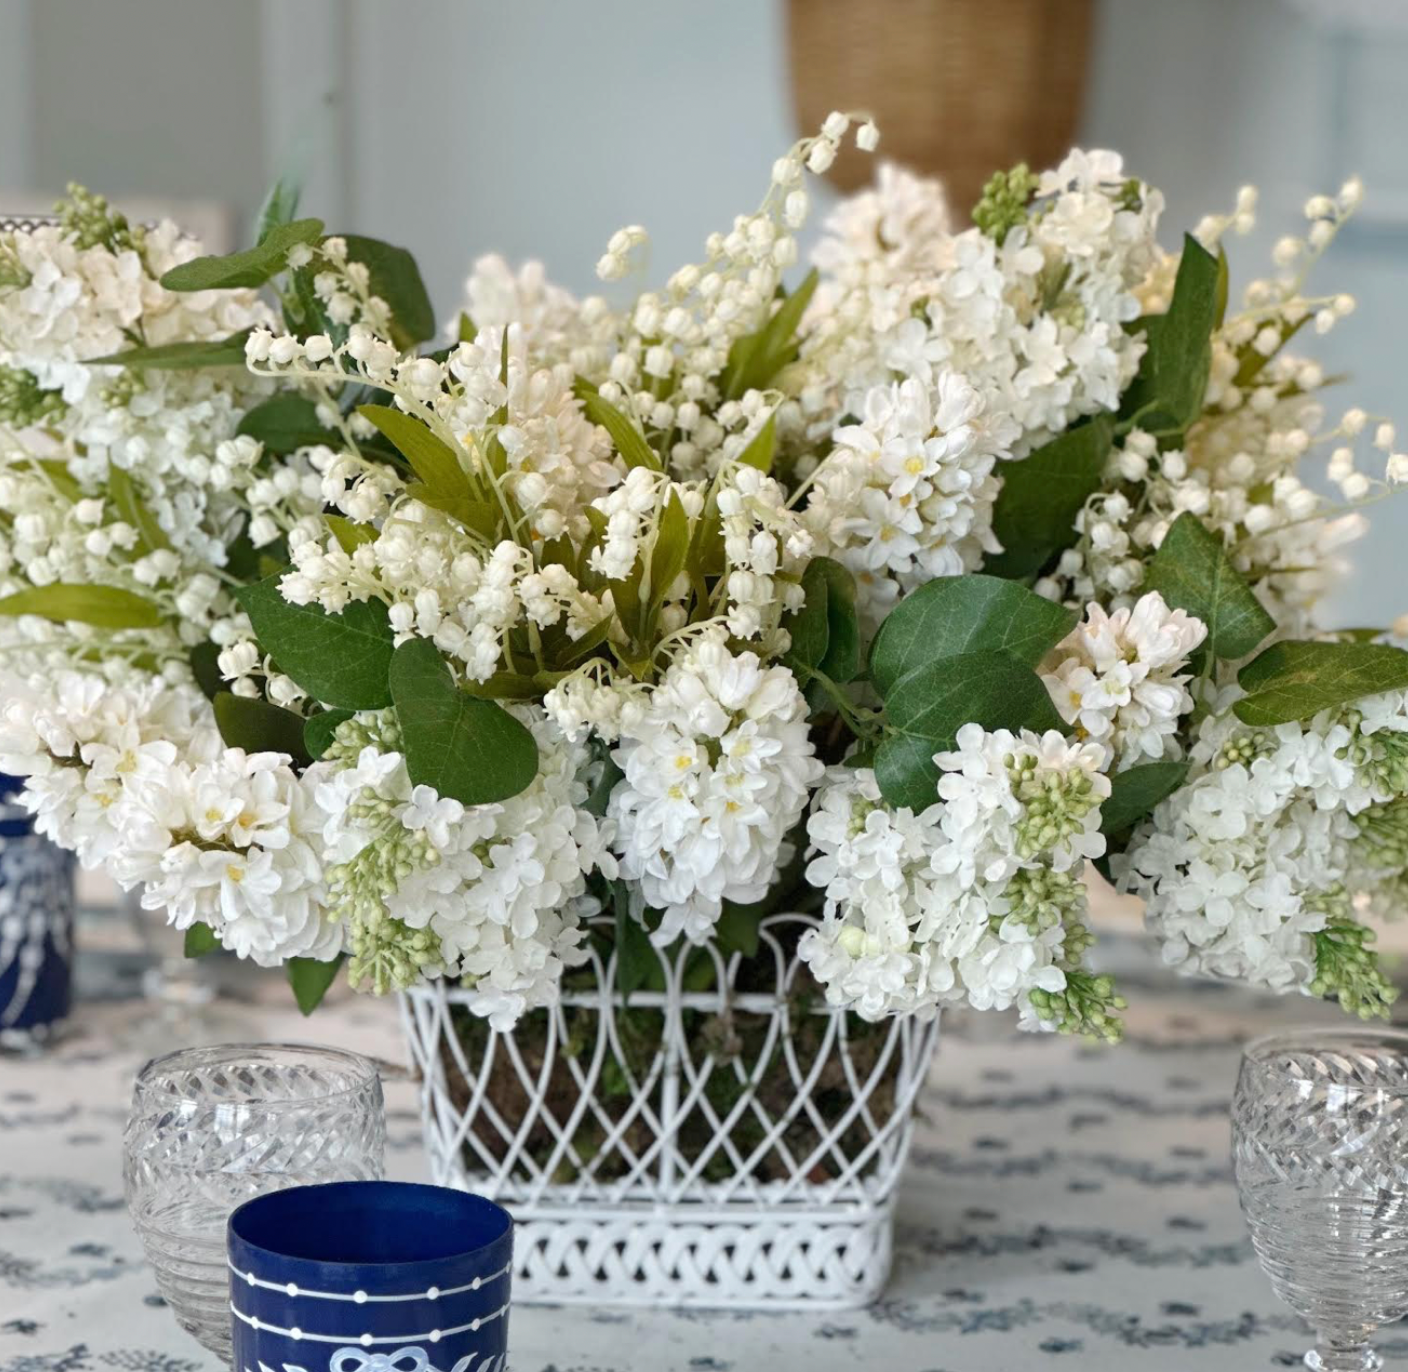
column 370, row 1276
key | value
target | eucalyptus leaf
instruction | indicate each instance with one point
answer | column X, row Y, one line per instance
column 927, row 707
column 284, row 423
column 395, row 277
column 340, row 659
column 107, row 607
column 311, row 980
column 252, row 267
column 205, row 667
column 1136, row 791
column 825, row 632
column 466, row 748
column 637, row 962
column 628, row 440
column 1193, row 572
column 1035, row 512
column 962, row 614
column 259, row 726
column 1294, row 680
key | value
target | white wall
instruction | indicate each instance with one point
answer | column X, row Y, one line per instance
column 539, row 126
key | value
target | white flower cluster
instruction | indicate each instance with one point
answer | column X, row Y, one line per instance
column 1249, row 869
column 907, row 493
column 978, row 899
column 135, row 777
column 492, row 894
column 1119, row 679
column 718, row 767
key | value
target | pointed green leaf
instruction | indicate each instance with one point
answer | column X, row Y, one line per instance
column 628, row 440
column 479, row 516
column 1035, row 512
column 667, row 558
column 200, row 940
column 432, row 459
column 253, row 267
column 755, row 359
column 259, row 726
column 318, row 731
column 759, row 452
column 1193, row 572
column 394, row 276
column 464, row 747
column 286, row 422
column 150, row 535
column 1136, row 791
column 962, row 614
column 279, row 207
column 1295, row 680
column 108, row 607
column 180, row 357
column 340, row 659
column 311, row 980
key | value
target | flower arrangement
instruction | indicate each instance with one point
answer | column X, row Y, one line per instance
column 901, row 594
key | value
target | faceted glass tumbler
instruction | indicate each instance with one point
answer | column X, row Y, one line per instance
column 1320, row 1151
column 211, row 1128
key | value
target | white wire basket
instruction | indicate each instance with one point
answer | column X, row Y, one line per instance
column 733, row 1146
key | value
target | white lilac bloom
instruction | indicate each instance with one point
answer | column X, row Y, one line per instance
column 977, row 900
column 1248, row 871
column 492, row 894
column 718, row 767
column 1121, row 678
column 907, row 492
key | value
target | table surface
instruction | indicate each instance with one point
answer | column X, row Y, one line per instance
column 1062, row 1203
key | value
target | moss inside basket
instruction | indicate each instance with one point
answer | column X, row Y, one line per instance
column 591, row 1117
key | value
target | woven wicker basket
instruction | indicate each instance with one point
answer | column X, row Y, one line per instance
column 960, row 88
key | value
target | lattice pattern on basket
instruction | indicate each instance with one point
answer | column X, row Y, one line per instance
column 761, row 1131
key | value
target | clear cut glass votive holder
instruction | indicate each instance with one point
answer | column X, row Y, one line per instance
column 373, row 1276
column 211, row 1128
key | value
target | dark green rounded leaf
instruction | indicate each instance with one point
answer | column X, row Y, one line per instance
column 1135, row 791
column 252, row 267
column 467, row 748
column 311, row 980
column 259, row 726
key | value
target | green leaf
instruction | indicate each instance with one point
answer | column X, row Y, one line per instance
column 756, row 358
column 150, row 535
column 477, row 515
column 964, row 614
column 466, row 748
column 311, row 980
column 671, row 548
column 759, row 452
column 395, row 277
column 259, row 726
column 205, row 667
column 431, row 458
column 279, row 207
column 200, row 940
column 1035, row 512
column 628, row 439
column 180, row 357
column 1135, row 791
column 927, row 707
column 825, row 632
column 637, row 962
column 738, row 929
column 1193, row 572
column 108, row 607
column 253, row 267
column 318, row 731
column 285, row 422
column 340, row 659
column 349, row 534
column 1167, row 394
column 1295, row 680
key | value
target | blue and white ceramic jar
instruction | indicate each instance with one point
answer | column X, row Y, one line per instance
column 370, row 1276
column 36, row 927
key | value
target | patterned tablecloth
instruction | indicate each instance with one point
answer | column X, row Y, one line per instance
column 1064, row 1205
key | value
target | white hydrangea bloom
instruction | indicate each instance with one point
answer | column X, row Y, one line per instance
column 1120, row 679
column 718, row 767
